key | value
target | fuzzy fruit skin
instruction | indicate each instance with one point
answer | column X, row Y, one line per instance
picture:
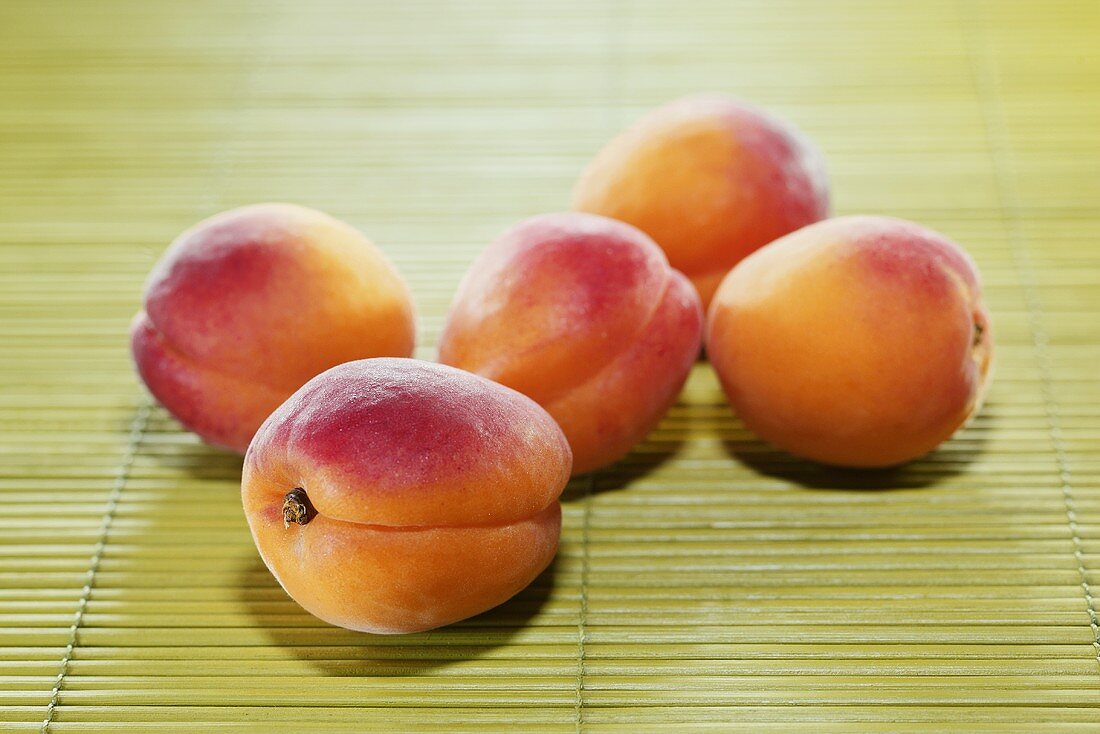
column 710, row 179
column 857, row 341
column 584, row 315
column 436, row 493
column 247, row 305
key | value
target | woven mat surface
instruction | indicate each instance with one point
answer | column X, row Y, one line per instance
column 706, row 583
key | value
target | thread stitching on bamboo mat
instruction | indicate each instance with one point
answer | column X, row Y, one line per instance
column 122, row 474
column 582, row 614
column 985, row 82
column 137, row 434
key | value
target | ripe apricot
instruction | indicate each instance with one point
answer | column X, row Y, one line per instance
column 584, row 315
column 394, row 495
column 247, row 305
column 857, row 341
column 711, row 179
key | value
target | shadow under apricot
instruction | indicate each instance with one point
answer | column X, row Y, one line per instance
column 343, row 653
column 643, row 460
column 171, row 446
column 950, row 459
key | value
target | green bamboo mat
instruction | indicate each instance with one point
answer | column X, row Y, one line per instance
column 707, row 583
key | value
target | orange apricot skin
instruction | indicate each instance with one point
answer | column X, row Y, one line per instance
column 857, row 341
column 584, row 315
column 710, row 179
column 435, row 494
column 396, row 581
column 247, row 305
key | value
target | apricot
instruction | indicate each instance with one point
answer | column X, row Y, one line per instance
column 857, row 341
column 711, row 179
column 247, row 305
column 584, row 315
column 394, row 495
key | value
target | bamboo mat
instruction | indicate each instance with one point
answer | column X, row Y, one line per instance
column 707, row 583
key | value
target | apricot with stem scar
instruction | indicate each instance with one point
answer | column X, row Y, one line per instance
column 394, row 495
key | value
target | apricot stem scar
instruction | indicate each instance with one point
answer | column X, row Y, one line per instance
column 978, row 331
column 296, row 508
